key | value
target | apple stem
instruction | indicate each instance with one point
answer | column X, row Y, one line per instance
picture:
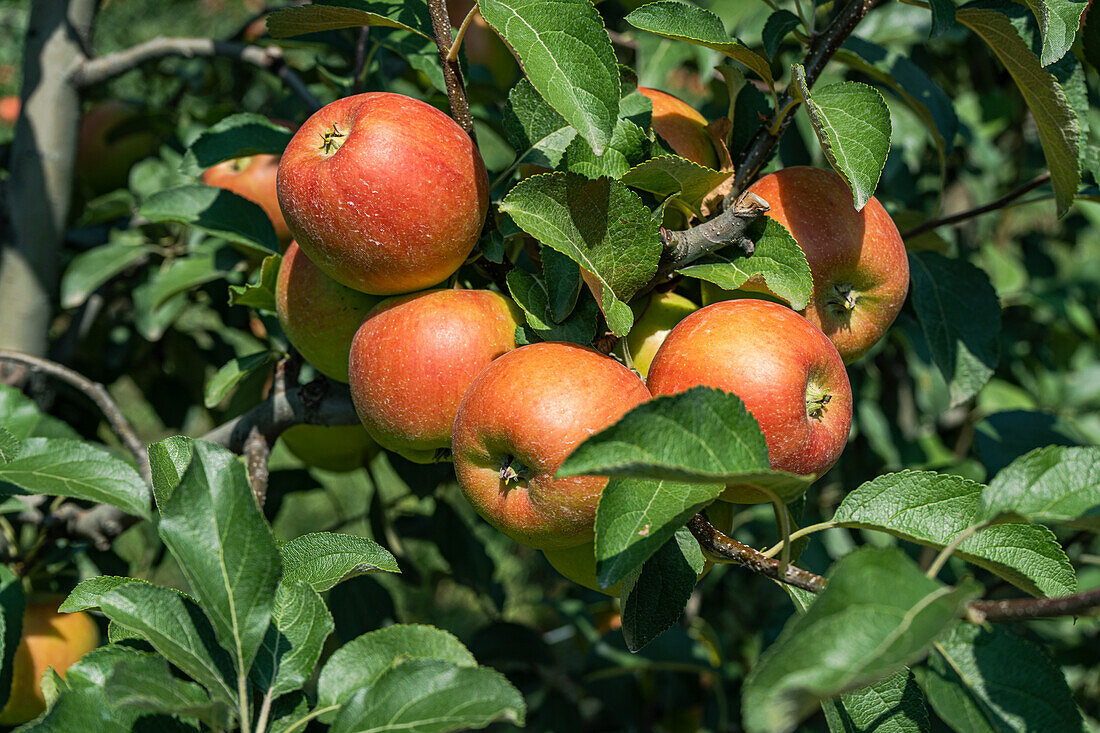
column 452, row 55
column 330, row 140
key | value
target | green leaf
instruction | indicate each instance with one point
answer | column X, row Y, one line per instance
column 601, row 225
column 168, row 460
column 982, row 679
column 776, row 258
column 238, row 136
column 668, row 175
column 88, row 270
column 702, row 435
column 77, row 470
column 635, row 517
column 323, row 559
column 932, row 509
column 87, row 593
column 538, row 133
column 12, row 605
column 943, row 17
column 779, row 24
column 891, row 705
column 431, row 696
column 567, row 57
column 362, row 661
column 654, row 597
column 214, row 211
column 960, row 317
column 260, row 296
column 530, row 293
column 1054, row 118
column 684, row 22
column 10, row 446
column 21, row 417
column 852, row 124
column 1055, row 484
column 145, row 682
column 183, row 275
column 330, row 15
column 225, row 548
column 1003, row 437
column 1059, row 21
column 233, row 373
column 177, row 629
column 878, row 613
column 300, row 623
column 629, row 146
column 563, row 283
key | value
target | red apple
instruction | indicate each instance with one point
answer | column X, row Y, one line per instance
column 252, row 177
column 858, row 260
column 9, row 109
column 319, row 316
column 682, row 127
column 522, row 416
column 385, row 193
column 414, row 357
column 654, row 318
column 785, row 370
column 112, row 138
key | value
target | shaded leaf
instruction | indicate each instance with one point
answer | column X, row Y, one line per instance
column 654, row 596
column 88, row 592
column 300, row 623
column 323, row 559
column 226, row 379
column 12, row 605
column 328, row 15
column 168, row 461
column 776, row 28
column 1054, row 484
column 260, row 295
column 238, row 136
column 90, row 269
column 538, row 133
column 215, row 211
column 891, row 705
column 668, row 175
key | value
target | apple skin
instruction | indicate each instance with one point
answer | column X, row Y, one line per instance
column 528, row 410
column 50, row 639
column 106, row 150
column 336, row 448
column 415, row 355
column 386, row 194
column 682, row 127
column 319, row 316
column 653, row 320
column 858, row 259
column 253, row 178
column 9, row 109
column 785, row 370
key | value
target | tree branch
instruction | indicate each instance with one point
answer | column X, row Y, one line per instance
column 256, row 452
column 1021, row 609
column 979, row 210
column 452, row 72
column 727, row 549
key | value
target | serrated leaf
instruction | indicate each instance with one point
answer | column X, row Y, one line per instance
column 88, row 270
column 563, row 283
column 989, row 679
column 77, row 470
column 300, row 623
column 260, row 296
column 629, row 146
column 22, row 418
column 702, row 435
column 635, row 517
column 328, row 15
column 12, row 606
column 567, row 57
column 145, row 682
column 1059, row 21
column 601, row 225
column 852, row 124
column 225, row 548
column 168, row 460
column 932, row 509
column 87, row 593
column 1054, row 118
column 226, row 379
column 891, row 705
column 684, row 22
column 539, row 135
column 530, row 293
column 877, row 614
column 776, row 258
column 215, row 211
column 10, row 446
column 960, row 317
column 1054, row 484
column 323, row 559
column 668, row 175
column 238, row 136
column 654, row 596
column 776, row 28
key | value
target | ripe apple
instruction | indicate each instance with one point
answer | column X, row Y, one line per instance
column 319, row 315
column 386, row 194
column 9, row 109
column 50, row 639
column 858, row 260
column 414, row 357
column 682, row 127
column 522, row 416
column 336, row 448
column 654, row 318
column 112, row 138
column 785, row 370
column 252, row 177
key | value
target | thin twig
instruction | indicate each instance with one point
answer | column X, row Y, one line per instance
column 452, row 72
column 949, row 549
column 1000, row 203
column 360, row 60
column 456, row 44
column 1021, row 609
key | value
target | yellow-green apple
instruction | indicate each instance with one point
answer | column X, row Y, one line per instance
column 414, row 357
column 252, row 177
column 858, row 260
column 785, row 370
column 50, row 639
column 520, row 419
column 319, row 316
column 112, row 138
column 336, row 448
column 9, row 109
column 682, row 127
column 654, row 317
column 385, row 193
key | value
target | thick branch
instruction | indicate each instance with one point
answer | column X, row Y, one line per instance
column 1021, row 609
column 452, row 72
column 979, row 210
column 720, row 546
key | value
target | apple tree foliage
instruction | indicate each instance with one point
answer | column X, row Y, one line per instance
column 376, row 600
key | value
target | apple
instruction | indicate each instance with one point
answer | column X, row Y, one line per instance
column 319, row 316
column 682, row 127
column 858, row 259
column 386, row 194
column 521, row 417
column 252, row 177
column 9, row 109
column 112, row 138
column 654, row 318
column 50, row 639
column 413, row 359
column 785, row 370
column 754, row 287
column 336, row 448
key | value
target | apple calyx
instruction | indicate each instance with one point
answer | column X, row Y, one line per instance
column 331, row 140
column 513, row 471
column 817, row 401
column 842, row 298
column 240, row 164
